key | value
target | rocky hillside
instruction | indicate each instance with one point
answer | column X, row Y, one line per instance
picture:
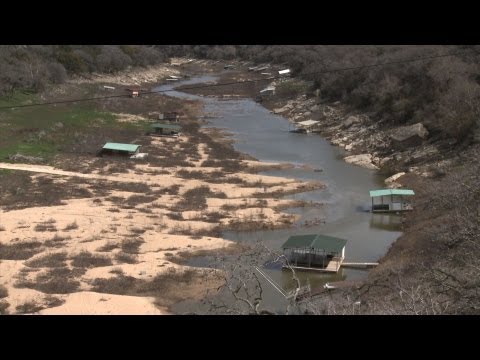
column 393, row 149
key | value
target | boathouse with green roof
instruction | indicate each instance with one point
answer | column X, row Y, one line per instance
column 315, row 252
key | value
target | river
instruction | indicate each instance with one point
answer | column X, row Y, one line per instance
column 265, row 136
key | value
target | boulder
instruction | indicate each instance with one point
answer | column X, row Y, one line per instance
column 409, row 135
column 286, row 108
column 391, row 182
column 350, row 121
column 385, row 161
column 364, row 160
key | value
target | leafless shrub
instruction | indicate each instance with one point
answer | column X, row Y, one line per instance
column 171, row 190
column 159, row 286
column 3, row 307
column 54, row 281
column 109, row 246
column 20, row 250
column 176, row 216
column 45, row 226
column 71, row 226
column 3, row 292
column 131, row 246
column 57, row 241
column 181, row 229
column 126, row 258
column 29, row 307
column 51, row 260
column 86, row 259
column 117, row 271
column 52, row 301
column 137, row 231
column 134, row 200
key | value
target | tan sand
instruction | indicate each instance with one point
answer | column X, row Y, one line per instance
column 158, row 233
column 92, row 303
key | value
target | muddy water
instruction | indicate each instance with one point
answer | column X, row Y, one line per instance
column 265, row 136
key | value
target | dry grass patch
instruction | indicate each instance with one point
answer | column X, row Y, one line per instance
column 29, row 307
column 167, row 287
column 52, row 301
column 109, row 246
column 117, row 270
column 20, row 250
column 131, row 246
column 57, row 241
column 86, row 259
column 3, row 292
column 3, row 307
column 54, row 281
column 53, row 260
column 71, row 226
column 126, row 258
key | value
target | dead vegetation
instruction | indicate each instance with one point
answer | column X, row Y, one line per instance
column 4, row 305
column 29, row 307
column 54, row 281
column 131, row 246
column 3, row 292
column 196, row 199
column 19, row 190
column 167, row 287
column 52, row 301
column 20, row 250
column 71, row 226
column 182, row 257
column 109, row 246
column 46, row 226
column 53, row 260
column 122, row 257
column 86, row 259
column 57, row 241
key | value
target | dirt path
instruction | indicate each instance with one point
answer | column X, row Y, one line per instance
column 51, row 170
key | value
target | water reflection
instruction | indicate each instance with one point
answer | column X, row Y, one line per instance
column 388, row 222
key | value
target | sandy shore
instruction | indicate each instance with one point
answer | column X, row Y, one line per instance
column 127, row 235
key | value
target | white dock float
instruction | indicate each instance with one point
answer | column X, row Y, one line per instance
column 360, row 264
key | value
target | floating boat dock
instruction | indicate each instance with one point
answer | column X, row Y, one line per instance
column 315, row 252
column 362, row 265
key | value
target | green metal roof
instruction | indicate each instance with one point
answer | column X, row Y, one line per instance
column 315, row 241
column 166, row 126
column 121, row 147
column 383, row 192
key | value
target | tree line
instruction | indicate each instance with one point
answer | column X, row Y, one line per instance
column 32, row 67
column 441, row 93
